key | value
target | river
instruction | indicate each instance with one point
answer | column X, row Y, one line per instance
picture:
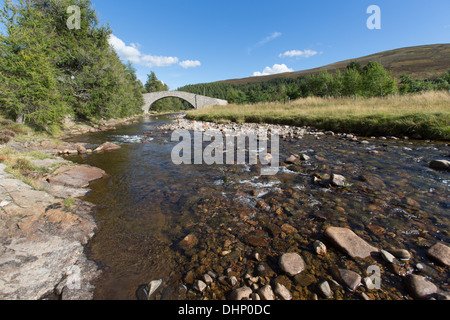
column 147, row 205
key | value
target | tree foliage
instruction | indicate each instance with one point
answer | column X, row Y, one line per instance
column 377, row 81
column 372, row 80
column 409, row 85
column 153, row 84
column 48, row 71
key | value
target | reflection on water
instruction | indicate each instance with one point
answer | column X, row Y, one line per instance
column 147, row 205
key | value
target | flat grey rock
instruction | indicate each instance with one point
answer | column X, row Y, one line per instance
column 346, row 240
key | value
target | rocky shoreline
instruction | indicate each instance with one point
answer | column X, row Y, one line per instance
column 45, row 228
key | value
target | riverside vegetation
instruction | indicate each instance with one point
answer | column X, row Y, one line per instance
column 423, row 115
column 355, row 81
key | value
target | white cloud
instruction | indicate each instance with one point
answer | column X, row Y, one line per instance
column 190, row 64
column 133, row 54
column 130, row 53
column 276, row 68
column 157, row 61
column 269, row 38
column 298, row 53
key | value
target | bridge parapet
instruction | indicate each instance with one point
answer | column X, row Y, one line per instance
column 198, row 101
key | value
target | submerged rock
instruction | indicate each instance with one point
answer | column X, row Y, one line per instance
column 419, row 287
column 305, row 157
column 188, row 242
column 200, row 286
column 241, row 293
column 282, row 292
column 266, row 293
column 255, row 240
column 401, row 254
column 338, row 180
column 325, row 290
column 264, row 270
column 320, row 248
column 440, row 253
column 292, row 159
column 349, row 278
column 153, row 286
column 440, row 165
column 387, row 256
column 292, row 263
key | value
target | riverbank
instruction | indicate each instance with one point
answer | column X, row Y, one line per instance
column 418, row 116
column 44, row 225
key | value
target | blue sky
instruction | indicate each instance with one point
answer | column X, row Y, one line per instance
column 196, row 41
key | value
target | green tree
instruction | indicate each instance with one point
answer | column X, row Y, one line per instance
column 233, row 96
column 293, row 91
column 377, row 81
column 355, row 65
column 153, row 84
column 407, row 84
column 28, row 85
column 319, row 85
column 352, row 82
column 336, row 84
column 282, row 92
column 447, row 76
column 49, row 70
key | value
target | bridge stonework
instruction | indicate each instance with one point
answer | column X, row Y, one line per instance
column 198, row 101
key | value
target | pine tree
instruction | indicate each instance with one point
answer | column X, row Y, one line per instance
column 28, row 78
column 49, row 70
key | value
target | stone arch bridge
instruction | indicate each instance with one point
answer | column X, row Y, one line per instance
column 198, row 101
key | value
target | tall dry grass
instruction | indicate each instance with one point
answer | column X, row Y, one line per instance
column 425, row 115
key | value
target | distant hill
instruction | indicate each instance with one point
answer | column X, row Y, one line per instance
column 420, row 62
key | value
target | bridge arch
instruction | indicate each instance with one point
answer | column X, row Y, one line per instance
column 198, row 101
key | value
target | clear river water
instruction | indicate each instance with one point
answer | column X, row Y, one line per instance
column 147, row 205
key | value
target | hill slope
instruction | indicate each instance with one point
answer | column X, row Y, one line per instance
column 419, row 62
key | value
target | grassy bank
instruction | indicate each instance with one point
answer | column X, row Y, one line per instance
column 425, row 115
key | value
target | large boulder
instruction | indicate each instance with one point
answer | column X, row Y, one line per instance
column 107, row 146
column 76, row 176
column 346, row 240
column 42, row 244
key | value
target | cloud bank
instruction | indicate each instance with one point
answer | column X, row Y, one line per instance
column 133, row 54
